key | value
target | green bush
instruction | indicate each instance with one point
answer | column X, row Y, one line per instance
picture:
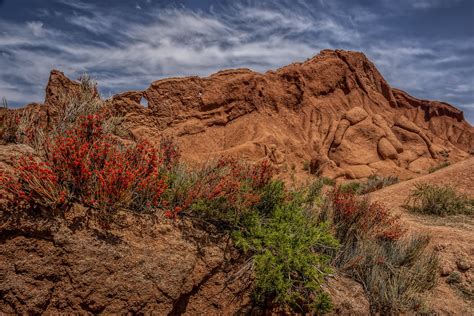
column 438, row 200
column 289, row 249
column 328, row 181
column 286, row 243
column 350, row 187
column 272, row 196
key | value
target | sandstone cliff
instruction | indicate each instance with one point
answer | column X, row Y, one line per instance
column 334, row 110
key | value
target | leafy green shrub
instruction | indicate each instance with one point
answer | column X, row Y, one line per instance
column 328, row 181
column 287, row 244
column 442, row 165
column 350, row 187
column 438, row 200
column 272, row 196
column 289, row 248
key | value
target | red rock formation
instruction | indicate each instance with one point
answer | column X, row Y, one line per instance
column 335, row 110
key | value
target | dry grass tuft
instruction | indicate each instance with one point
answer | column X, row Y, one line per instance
column 394, row 269
column 438, row 200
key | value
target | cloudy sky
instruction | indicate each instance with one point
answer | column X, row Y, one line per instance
column 425, row 47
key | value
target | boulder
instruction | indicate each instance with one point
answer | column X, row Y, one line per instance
column 386, row 149
column 355, row 115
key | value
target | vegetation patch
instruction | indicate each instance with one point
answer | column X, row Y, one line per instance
column 373, row 183
column 82, row 160
column 442, row 165
column 292, row 238
column 395, row 269
column 286, row 242
column 350, row 187
column 439, row 200
column 376, row 182
column 328, row 181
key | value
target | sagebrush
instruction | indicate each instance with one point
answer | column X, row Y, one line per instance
column 394, row 268
column 439, row 200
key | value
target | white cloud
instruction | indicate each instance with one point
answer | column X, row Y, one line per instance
column 171, row 42
column 430, row 4
column 157, row 43
column 36, row 27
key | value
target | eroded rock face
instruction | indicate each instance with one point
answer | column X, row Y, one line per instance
column 161, row 269
column 334, row 108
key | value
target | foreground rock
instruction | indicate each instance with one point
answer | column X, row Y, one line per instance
column 64, row 266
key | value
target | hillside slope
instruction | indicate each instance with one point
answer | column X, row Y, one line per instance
column 452, row 237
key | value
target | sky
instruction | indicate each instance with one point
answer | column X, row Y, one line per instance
column 425, row 47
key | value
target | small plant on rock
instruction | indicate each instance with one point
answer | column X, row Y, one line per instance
column 442, row 165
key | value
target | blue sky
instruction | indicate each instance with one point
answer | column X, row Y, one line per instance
column 425, row 47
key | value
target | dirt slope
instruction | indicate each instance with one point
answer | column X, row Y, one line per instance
column 62, row 267
column 452, row 236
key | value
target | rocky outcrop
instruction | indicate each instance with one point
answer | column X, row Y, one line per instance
column 71, row 266
column 334, row 110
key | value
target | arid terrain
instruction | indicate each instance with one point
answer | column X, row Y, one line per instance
column 326, row 127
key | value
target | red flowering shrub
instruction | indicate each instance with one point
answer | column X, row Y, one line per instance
column 33, row 188
column 89, row 166
column 221, row 191
column 356, row 218
column 170, row 152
